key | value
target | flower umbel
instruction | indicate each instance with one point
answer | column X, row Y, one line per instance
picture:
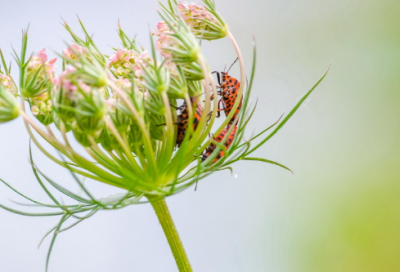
column 176, row 42
column 204, row 21
column 74, row 52
column 123, row 63
column 8, row 83
column 39, row 71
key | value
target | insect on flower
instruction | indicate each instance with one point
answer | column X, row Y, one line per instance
column 229, row 92
column 210, row 149
column 183, row 118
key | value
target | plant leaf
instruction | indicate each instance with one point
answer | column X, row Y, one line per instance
column 289, row 115
column 267, row 161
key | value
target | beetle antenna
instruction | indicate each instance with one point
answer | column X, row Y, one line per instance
column 232, row 64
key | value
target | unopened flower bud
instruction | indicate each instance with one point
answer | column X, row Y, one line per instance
column 89, row 70
column 204, row 22
column 81, row 136
column 74, row 52
column 193, row 71
column 123, row 62
column 35, row 110
column 154, row 103
column 142, row 62
column 38, row 76
column 8, row 83
column 176, row 43
column 194, row 87
column 90, row 110
column 9, row 107
column 76, row 100
column 42, row 109
column 155, row 77
column 65, row 95
column 178, row 86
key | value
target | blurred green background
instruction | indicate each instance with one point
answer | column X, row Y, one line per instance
column 340, row 211
column 345, row 212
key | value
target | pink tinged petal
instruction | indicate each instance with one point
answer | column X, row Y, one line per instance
column 35, row 110
column 55, row 81
column 120, row 54
column 113, row 59
column 67, row 53
column 76, row 47
column 86, row 88
column 53, row 61
column 110, row 101
column 42, row 56
column 160, row 25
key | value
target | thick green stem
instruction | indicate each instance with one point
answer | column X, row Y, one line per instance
column 174, row 241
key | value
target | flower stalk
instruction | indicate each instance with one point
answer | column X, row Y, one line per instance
column 164, row 217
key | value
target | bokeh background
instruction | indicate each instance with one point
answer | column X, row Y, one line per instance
column 340, row 211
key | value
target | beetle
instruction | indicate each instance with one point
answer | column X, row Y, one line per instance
column 210, row 149
column 183, row 118
column 229, row 92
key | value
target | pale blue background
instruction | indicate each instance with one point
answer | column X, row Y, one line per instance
column 253, row 222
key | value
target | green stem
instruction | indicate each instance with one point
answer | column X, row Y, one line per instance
column 174, row 241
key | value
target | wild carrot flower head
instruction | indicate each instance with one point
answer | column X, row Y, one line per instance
column 123, row 62
column 74, row 52
column 38, row 72
column 175, row 40
column 79, row 102
column 142, row 62
column 8, row 83
column 204, row 21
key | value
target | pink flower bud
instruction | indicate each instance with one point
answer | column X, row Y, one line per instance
column 123, row 62
column 123, row 83
column 202, row 22
column 35, row 110
column 142, row 60
column 74, row 51
column 176, row 42
column 110, row 102
column 42, row 56
column 64, row 80
column 47, row 72
column 7, row 82
column 162, row 27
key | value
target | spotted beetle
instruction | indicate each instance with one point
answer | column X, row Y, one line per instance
column 229, row 92
column 183, row 119
column 210, row 149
